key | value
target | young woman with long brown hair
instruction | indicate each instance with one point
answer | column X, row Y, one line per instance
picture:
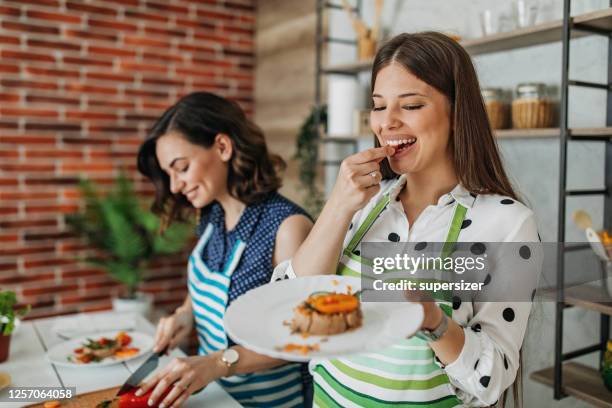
column 204, row 155
column 435, row 175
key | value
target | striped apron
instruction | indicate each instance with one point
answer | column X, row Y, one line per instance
column 402, row 375
column 278, row 387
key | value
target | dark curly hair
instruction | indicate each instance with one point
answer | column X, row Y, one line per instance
column 200, row 117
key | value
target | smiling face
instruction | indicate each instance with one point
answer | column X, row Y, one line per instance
column 199, row 173
column 413, row 116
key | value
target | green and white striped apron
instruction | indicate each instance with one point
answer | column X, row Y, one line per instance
column 402, row 375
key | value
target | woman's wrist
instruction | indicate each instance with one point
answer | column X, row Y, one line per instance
column 433, row 317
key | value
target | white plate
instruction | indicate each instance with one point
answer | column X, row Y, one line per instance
column 255, row 320
column 59, row 353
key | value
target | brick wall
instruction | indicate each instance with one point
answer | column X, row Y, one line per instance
column 80, row 84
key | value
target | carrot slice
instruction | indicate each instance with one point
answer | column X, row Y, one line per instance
column 334, row 303
column 52, row 404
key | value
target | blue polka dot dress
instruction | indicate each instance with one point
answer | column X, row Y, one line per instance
column 223, row 266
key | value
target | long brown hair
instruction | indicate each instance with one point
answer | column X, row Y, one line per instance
column 200, row 117
column 442, row 63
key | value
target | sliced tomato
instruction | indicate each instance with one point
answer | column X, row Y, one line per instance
column 78, row 350
column 85, row 358
column 129, row 400
column 123, row 339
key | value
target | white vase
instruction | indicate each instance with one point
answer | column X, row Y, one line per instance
column 142, row 304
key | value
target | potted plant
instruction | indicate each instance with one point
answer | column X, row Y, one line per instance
column 126, row 238
column 8, row 314
column 308, row 155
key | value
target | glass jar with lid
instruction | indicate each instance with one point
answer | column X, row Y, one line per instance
column 531, row 107
column 496, row 108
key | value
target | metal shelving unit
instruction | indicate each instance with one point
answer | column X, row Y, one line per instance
column 569, row 378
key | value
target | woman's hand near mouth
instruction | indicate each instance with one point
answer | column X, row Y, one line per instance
column 358, row 179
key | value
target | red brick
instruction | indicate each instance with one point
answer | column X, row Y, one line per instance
column 196, row 72
column 84, row 88
column 8, row 125
column 60, row 17
column 88, row 9
column 8, row 182
column 29, row 249
column 25, row 223
column 18, row 83
column 90, row 35
column 81, row 300
column 87, row 61
column 49, row 289
column 164, row 31
column 139, row 16
column 27, row 196
column 112, row 104
column 112, row 24
column 46, row 236
column 161, row 56
column 214, row 15
column 8, row 266
column 30, row 28
column 26, row 56
column 9, row 97
column 8, row 154
column 27, row 139
column 50, row 181
column 10, row 11
column 62, row 73
column 81, row 273
column 117, row 52
column 53, row 154
column 39, row 209
column 33, row 168
column 86, row 141
column 197, row 48
column 149, row 94
column 199, row 24
column 10, row 40
column 142, row 116
column 124, row 2
column 162, row 82
column 20, row 279
column 136, row 66
column 105, row 76
column 165, row 6
column 54, row 45
column 4, row 238
column 238, row 6
column 49, row 3
column 90, row 115
column 148, row 42
column 86, row 167
column 52, row 126
column 44, row 99
column 40, row 113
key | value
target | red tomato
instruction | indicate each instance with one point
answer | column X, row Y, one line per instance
column 123, row 339
column 78, row 350
column 129, row 400
column 103, row 341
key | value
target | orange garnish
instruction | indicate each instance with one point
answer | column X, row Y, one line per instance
column 126, row 352
column 300, row 348
column 52, row 404
column 334, row 303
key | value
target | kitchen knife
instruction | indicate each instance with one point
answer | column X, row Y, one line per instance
column 141, row 373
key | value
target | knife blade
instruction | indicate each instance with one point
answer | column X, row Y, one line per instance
column 141, row 373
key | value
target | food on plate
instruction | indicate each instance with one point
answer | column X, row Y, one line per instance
column 325, row 313
column 299, row 348
column 130, row 400
column 104, row 347
column 52, row 404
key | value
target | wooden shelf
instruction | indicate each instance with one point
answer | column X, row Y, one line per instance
column 576, row 133
column 526, row 133
column 588, row 296
column 543, row 33
column 579, row 381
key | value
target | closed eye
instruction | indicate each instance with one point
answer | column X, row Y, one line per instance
column 379, row 108
column 184, row 169
column 412, row 107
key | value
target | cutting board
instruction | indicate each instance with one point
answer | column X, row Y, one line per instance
column 88, row 400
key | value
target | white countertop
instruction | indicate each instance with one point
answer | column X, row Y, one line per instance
column 29, row 367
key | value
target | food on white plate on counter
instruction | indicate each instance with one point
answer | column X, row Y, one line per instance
column 327, row 313
column 104, row 347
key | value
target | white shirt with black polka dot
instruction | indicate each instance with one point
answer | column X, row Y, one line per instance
column 494, row 331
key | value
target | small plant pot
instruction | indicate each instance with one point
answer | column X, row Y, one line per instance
column 5, row 347
column 142, row 304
